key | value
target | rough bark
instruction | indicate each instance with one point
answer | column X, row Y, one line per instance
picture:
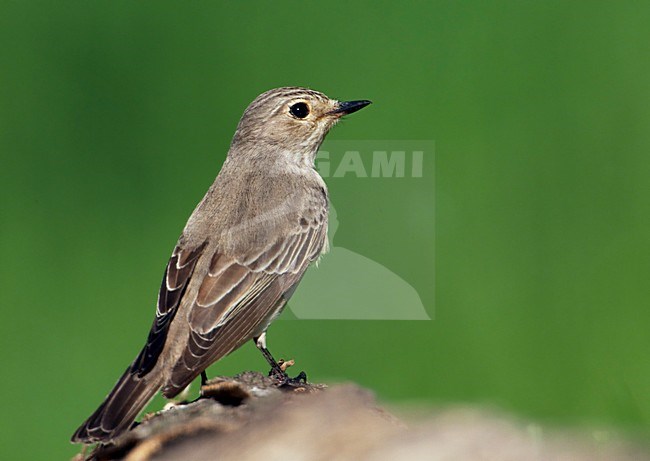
column 248, row 418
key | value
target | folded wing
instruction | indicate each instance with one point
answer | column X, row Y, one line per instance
column 239, row 295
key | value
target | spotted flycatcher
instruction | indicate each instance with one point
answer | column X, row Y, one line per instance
column 240, row 257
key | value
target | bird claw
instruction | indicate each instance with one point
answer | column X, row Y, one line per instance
column 285, row 381
column 298, row 381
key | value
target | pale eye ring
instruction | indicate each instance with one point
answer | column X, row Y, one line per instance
column 299, row 110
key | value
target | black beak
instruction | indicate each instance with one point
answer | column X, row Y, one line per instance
column 348, row 107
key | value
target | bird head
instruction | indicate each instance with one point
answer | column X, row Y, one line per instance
column 289, row 121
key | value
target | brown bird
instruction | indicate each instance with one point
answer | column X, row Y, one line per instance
column 240, row 257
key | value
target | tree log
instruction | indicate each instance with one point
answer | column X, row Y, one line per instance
column 248, row 418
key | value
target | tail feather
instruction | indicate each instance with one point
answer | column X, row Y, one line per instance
column 118, row 411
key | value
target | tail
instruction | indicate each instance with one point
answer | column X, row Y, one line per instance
column 118, row 411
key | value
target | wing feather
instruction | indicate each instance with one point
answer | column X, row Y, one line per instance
column 238, row 295
column 174, row 283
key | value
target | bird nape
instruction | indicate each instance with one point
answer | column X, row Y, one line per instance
column 239, row 258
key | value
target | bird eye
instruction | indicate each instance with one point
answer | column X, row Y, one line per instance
column 299, row 110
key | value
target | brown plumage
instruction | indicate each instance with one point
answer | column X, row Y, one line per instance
column 240, row 257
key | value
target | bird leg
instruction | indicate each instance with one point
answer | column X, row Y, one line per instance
column 204, row 378
column 277, row 371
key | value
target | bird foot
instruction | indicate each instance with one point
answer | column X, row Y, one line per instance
column 279, row 373
column 286, row 381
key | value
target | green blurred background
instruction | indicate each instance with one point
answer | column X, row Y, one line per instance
column 115, row 117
